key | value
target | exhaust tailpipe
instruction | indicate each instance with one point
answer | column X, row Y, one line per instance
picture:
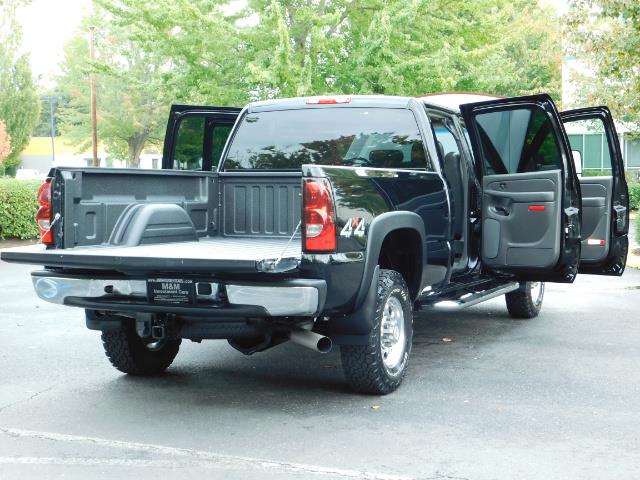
column 311, row 340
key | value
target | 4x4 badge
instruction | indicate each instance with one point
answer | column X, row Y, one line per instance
column 353, row 228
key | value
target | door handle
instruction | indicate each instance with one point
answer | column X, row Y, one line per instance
column 499, row 210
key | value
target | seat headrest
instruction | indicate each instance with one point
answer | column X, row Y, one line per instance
column 386, row 158
column 440, row 149
column 452, row 157
column 418, row 157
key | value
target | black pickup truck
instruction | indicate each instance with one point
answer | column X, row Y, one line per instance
column 329, row 220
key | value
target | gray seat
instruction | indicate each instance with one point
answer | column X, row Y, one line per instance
column 453, row 175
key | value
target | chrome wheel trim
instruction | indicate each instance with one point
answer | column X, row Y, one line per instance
column 393, row 336
column 537, row 292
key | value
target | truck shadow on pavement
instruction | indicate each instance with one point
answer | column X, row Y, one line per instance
column 214, row 373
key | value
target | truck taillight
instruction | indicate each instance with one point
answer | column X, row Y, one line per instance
column 44, row 214
column 328, row 100
column 318, row 216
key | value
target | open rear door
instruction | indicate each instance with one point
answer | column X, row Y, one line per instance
column 196, row 136
column 605, row 197
column 531, row 196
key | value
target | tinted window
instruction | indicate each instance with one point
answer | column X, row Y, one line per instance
column 466, row 137
column 187, row 153
column 367, row 137
column 518, row 141
column 193, row 132
column 445, row 139
column 590, row 146
column 220, row 135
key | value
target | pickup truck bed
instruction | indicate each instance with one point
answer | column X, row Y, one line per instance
column 208, row 254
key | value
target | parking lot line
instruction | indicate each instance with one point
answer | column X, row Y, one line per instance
column 197, row 457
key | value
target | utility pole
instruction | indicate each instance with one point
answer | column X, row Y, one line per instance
column 52, row 125
column 94, row 115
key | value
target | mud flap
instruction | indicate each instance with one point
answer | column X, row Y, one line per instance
column 354, row 329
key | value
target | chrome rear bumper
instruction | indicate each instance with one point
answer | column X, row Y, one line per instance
column 286, row 298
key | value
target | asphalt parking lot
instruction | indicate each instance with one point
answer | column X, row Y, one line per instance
column 557, row 397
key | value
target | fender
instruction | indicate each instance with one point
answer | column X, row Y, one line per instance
column 380, row 227
column 353, row 329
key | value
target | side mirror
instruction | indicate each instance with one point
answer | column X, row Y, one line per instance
column 577, row 161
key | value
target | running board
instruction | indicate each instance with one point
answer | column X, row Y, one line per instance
column 466, row 297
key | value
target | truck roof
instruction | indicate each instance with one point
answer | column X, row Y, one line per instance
column 380, row 101
column 448, row 101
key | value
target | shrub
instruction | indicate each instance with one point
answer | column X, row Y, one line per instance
column 634, row 196
column 18, row 206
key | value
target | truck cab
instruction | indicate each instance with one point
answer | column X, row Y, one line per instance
column 329, row 221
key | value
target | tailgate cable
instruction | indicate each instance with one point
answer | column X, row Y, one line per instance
column 56, row 217
column 287, row 245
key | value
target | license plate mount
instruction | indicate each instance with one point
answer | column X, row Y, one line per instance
column 171, row 291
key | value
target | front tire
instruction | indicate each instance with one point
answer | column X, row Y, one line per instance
column 526, row 302
column 136, row 356
column 379, row 367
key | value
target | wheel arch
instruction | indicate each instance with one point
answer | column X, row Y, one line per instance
column 354, row 328
column 386, row 232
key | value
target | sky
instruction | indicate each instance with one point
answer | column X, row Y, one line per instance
column 48, row 24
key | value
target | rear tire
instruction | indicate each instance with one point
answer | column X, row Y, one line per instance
column 133, row 355
column 379, row 367
column 526, row 302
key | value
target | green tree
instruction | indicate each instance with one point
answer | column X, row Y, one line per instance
column 43, row 127
column 19, row 103
column 605, row 35
column 273, row 48
column 493, row 46
column 132, row 102
column 5, row 142
column 199, row 42
column 199, row 51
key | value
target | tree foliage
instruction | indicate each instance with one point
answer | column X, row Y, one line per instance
column 19, row 103
column 132, row 104
column 5, row 142
column 605, row 34
column 202, row 51
column 300, row 47
column 494, row 46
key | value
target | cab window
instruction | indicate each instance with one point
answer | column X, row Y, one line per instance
column 187, row 153
column 590, row 147
column 518, row 140
column 197, row 135
column 446, row 140
column 362, row 137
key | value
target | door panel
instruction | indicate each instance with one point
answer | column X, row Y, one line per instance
column 530, row 201
column 521, row 215
column 596, row 219
column 594, row 143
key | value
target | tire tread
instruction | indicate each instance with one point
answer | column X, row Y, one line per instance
column 127, row 353
column 362, row 365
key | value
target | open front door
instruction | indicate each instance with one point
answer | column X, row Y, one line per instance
column 605, row 198
column 196, row 136
column 531, row 197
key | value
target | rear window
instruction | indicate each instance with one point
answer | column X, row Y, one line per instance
column 365, row 137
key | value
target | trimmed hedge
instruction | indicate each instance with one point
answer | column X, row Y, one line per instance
column 18, row 207
column 634, row 196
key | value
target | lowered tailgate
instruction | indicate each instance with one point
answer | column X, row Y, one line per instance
column 217, row 254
